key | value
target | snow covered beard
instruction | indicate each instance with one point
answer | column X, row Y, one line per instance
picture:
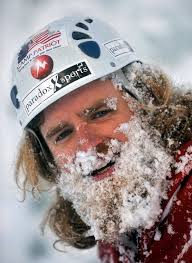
column 130, row 198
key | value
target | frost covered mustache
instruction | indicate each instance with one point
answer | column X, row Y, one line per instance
column 95, row 160
column 130, row 198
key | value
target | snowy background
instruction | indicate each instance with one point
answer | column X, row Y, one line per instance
column 161, row 33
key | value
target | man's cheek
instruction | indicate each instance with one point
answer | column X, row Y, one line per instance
column 63, row 161
column 120, row 136
column 120, row 132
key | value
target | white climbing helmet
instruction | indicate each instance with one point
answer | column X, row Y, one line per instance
column 62, row 57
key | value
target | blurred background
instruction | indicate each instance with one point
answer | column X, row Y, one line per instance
column 161, row 33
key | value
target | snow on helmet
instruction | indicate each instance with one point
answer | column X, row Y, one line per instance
column 62, row 57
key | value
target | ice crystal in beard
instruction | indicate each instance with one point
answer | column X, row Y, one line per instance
column 130, row 198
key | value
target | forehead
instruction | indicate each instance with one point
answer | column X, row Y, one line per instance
column 85, row 96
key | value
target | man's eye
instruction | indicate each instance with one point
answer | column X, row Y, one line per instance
column 100, row 114
column 63, row 135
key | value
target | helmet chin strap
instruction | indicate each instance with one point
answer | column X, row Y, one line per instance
column 128, row 86
column 42, row 146
column 139, row 91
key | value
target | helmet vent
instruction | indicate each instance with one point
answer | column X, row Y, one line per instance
column 79, row 35
column 14, row 98
column 89, row 20
column 90, row 48
column 81, row 25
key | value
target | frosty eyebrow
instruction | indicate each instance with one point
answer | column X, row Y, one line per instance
column 100, row 103
column 56, row 129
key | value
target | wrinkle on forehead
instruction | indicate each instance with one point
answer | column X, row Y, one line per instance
column 80, row 99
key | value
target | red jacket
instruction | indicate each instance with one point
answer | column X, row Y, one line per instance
column 170, row 239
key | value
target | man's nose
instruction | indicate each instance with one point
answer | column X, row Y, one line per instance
column 87, row 137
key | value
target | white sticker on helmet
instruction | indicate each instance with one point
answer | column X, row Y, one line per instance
column 118, row 47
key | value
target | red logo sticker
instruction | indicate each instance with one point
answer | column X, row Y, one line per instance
column 42, row 67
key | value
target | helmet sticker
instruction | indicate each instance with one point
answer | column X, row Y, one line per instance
column 118, row 47
column 42, row 66
column 38, row 45
column 56, row 82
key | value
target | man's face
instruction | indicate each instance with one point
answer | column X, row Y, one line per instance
column 86, row 118
column 110, row 167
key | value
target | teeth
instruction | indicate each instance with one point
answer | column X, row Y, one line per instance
column 103, row 170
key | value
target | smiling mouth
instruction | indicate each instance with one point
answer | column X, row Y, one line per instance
column 103, row 172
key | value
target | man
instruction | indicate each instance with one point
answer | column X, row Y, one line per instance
column 112, row 135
